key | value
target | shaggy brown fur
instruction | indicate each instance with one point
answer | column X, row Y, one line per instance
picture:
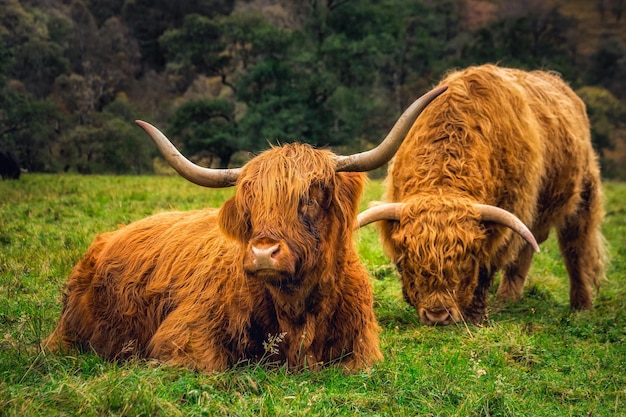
column 504, row 137
column 174, row 287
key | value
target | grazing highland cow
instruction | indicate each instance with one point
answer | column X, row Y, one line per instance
column 273, row 271
column 502, row 147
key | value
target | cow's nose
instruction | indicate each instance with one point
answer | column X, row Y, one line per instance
column 437, row 316
column 269, row 257
column 265, row 255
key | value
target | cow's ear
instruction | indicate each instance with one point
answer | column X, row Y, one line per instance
column 350, row 189
column 232, row 222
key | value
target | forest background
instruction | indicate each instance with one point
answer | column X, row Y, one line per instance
column 224, row 78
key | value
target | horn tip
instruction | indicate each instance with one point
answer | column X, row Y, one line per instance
column 439, row 90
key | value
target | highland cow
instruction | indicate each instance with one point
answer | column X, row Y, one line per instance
column 503, row 147
column 9, row 166
column 272, row 274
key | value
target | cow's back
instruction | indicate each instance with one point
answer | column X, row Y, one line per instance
column 570, row 165
column 501, row 136
column 130, row 279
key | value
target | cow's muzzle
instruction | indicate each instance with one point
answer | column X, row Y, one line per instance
column 439, row 316
column 268, row 257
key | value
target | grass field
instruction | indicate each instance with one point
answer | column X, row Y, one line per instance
column 533, row 358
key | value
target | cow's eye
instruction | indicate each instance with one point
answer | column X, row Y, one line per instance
column 314, row 201
column 309, row 207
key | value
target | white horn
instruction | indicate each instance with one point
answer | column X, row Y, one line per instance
column 206, row 177
column 387, row 211
column 508, row 219
column 380, row 155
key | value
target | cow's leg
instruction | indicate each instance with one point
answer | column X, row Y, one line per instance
column 476, row 312
column 363, row 335
column 178, row 342
column 582, row 247
column 56, row 342
column 514, row 274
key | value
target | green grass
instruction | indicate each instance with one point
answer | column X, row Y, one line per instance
column 533, row 358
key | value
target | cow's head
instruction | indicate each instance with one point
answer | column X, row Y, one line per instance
column 295, row 206
column 438, row 243
column 292, row 213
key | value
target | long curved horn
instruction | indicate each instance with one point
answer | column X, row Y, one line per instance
column 387, row 211
column 206, row 177
column 391, row 211
column 508, row 219
column 380, row 155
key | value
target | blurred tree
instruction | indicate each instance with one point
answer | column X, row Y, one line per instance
column 136, row 152
column 37, row 63
column 194, row 48
column 617, row 8
column 110, row 143
column 103, row 10
column 208, row 126
column 328, row 72
column 26, row 122
column 36, row 57
column 284, row 87
column 608, row 65
column 532, row 34
column 296, row 84
column 238, row 36
column 27, row 127
column 17, row 26
column 606, row 115
column 5, row 62
column 149, row 19
column 107, row 58
column 384, row 52
column 125, row 150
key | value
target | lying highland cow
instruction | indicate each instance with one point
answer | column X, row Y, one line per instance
column 273, row 271
column 502, row 147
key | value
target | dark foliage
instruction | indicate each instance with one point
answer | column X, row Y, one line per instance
column 330, row 73
column 9, row 166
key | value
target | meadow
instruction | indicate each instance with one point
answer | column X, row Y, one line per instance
column 533, row 357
